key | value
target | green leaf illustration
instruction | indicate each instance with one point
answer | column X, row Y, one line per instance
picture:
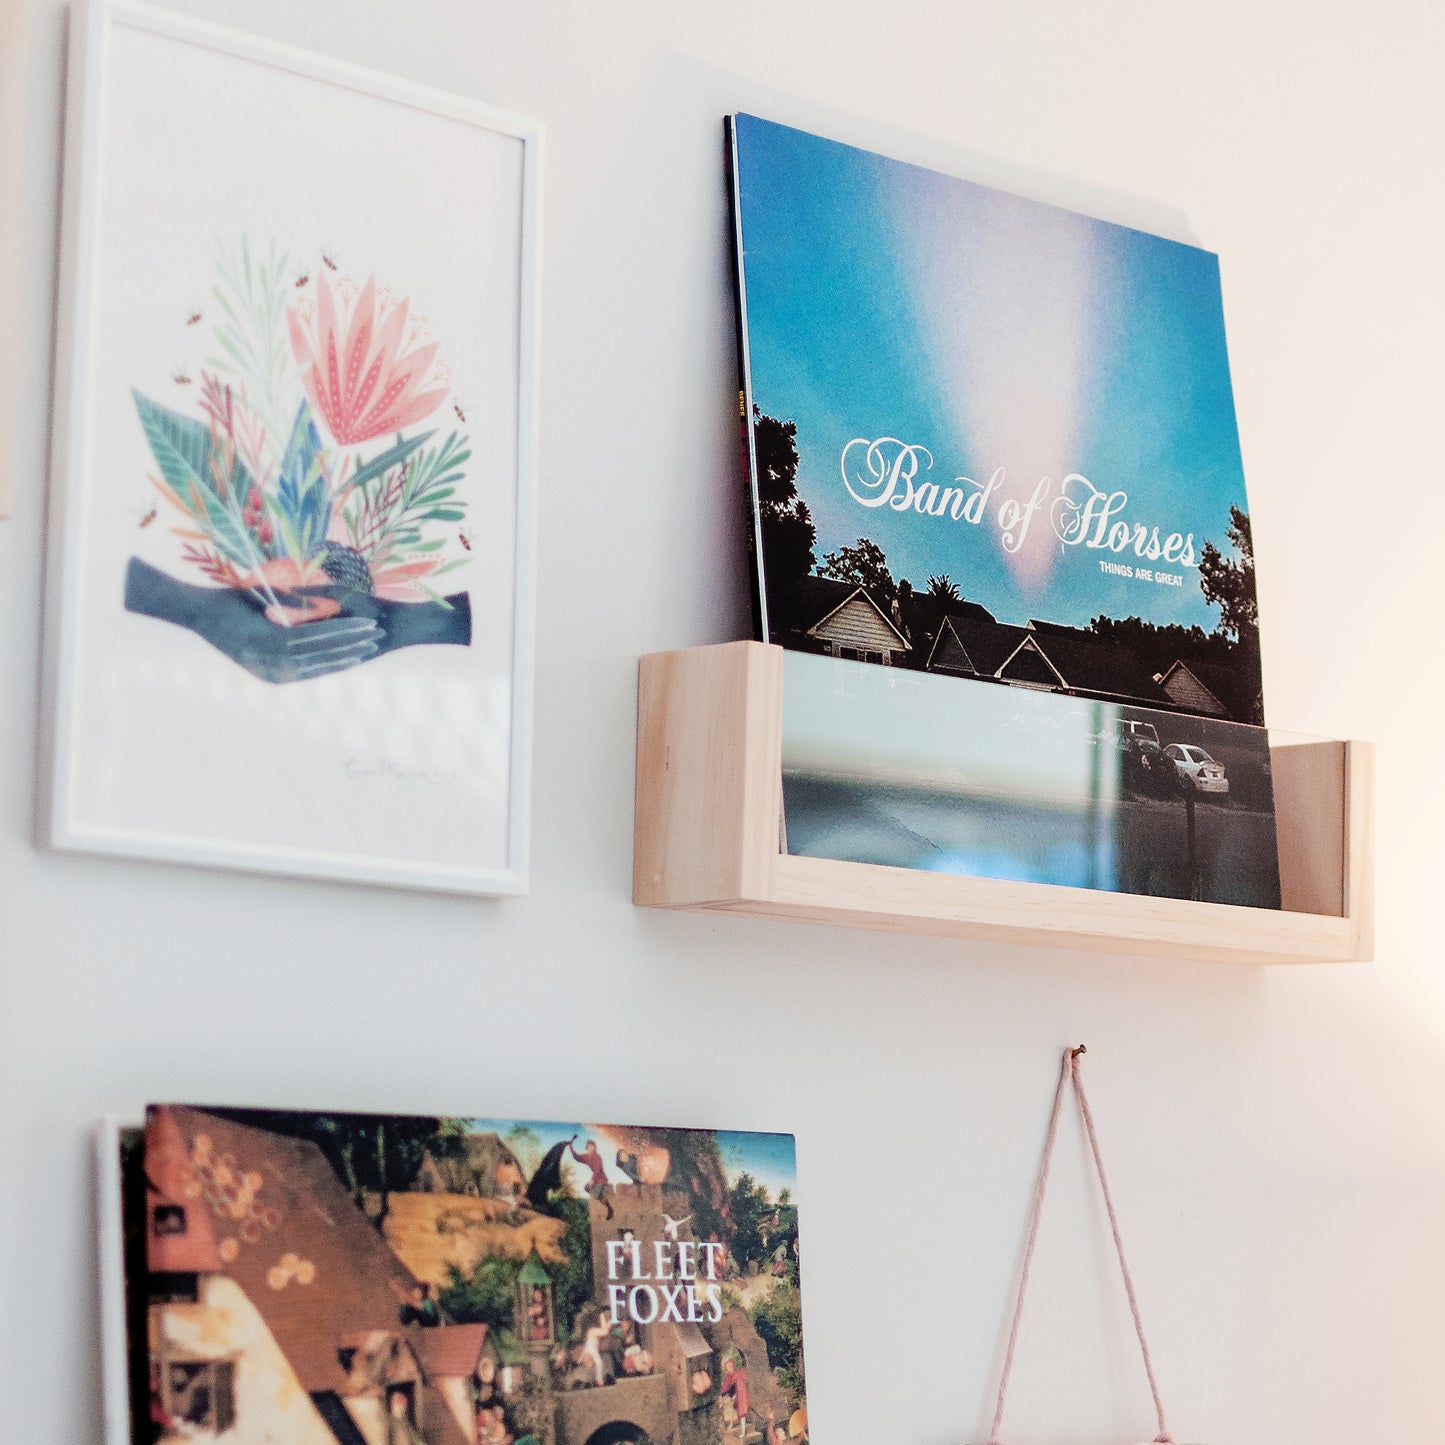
column 183, row 452
column 393, row 456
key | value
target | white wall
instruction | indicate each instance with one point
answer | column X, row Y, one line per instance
column 1276, row 1136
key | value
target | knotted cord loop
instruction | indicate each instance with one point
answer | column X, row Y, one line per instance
column 1069, row 1073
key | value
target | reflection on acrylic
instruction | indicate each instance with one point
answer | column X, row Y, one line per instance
column 909, row 770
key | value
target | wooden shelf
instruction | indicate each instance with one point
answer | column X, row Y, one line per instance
column 709, row 797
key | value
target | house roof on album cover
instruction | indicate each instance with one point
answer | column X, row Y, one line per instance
column 1088, row 664
column 1055, row 629
column 1101, row 668
column 300, row 1225
column 820, row 597
column 1029, row 664
column 923, row 613
column 948, row 654
column 187, row 1243
column 450, row 1350
column 1237, row 690
column 972, row 645
column 1182, row 682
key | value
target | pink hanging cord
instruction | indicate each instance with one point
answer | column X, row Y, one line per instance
column 1069, row 1073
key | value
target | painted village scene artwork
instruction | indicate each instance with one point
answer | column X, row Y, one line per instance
column 382, row 1280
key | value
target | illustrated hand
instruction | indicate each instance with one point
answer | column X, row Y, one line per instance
column 235, row 625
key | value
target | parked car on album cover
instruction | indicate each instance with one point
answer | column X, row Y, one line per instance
column 1131, row 730
column 1145, row 768
column 1196, row 769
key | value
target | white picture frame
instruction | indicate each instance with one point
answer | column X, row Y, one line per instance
column 110, row 1254
column 170, row 739
column 12, row 209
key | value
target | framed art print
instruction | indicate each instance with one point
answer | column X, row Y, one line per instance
column 12, row 162
column 291, row 585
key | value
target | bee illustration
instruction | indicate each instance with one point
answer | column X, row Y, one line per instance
column 459, row 406
column 148, row 518
column 326, row 257
column 302, row 277
column 181, row 376
column 465, row 538
column 193, row 315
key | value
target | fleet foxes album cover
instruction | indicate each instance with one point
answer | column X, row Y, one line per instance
column 988, row 438
column 380, row 1280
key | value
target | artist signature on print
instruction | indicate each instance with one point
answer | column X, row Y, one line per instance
column 383, row 769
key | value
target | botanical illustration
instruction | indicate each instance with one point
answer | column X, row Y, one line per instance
column 383, row 1280
column 303, row 468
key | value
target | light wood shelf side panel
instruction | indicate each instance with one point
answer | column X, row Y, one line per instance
column 1310, row 806
column 1360, row 847
column 709, row 774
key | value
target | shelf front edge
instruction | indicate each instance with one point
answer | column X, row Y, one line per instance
column 905, row 899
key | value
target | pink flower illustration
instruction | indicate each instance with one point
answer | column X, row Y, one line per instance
column 363, row 370
column 398, row 582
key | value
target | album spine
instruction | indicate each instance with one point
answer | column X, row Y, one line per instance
column 746, row 454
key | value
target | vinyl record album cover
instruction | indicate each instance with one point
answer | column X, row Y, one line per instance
column 384, row 1280
column 988, row 438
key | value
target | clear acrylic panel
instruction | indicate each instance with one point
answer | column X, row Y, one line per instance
column 910, row 769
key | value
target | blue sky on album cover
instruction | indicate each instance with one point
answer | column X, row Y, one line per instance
column 884, row 300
